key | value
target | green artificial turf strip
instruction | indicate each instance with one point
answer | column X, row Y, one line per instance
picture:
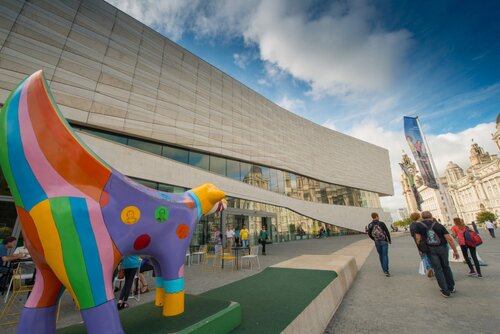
column 147, row 318
column 272, row 299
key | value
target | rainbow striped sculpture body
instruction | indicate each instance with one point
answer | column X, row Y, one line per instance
column 79, row 216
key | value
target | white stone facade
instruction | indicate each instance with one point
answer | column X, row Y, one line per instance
column 478, row 188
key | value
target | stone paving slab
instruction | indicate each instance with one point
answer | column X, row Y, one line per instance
column 407, row 302
column 198, row 281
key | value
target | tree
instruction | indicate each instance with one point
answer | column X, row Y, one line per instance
column 403, row 223
column 483, row 216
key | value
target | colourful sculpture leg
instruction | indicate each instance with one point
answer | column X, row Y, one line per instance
column 102, row 319
column 173, row 304
column 159, row 292
column 43, row 319
column 174, row 297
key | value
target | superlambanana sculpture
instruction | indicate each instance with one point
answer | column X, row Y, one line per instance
column 79, row 216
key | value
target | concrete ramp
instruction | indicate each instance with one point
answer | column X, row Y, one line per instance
column 346, row 263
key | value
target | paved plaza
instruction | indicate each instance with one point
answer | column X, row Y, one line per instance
column 406, row 302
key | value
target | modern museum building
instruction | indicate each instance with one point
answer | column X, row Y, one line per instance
column 166, row 118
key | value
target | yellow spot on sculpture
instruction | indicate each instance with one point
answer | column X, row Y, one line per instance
column 130, row 215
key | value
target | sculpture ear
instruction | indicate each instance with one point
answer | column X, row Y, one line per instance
column 208, row 195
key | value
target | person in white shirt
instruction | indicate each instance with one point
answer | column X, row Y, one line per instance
column 229, row 237
column 490, row 227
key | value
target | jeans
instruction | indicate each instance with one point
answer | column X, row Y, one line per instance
column 382, row 250
column 473, row 254
column 442, row 271
column 492, row 232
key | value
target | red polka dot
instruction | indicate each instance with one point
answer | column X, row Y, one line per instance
column 142, row 242
column 104, row 200
column 182, row 231
column 189, row 203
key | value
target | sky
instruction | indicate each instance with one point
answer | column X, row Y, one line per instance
column 355, row 66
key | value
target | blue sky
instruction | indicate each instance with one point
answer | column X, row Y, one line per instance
column 356, row 66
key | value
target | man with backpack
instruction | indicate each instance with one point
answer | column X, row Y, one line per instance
column 379, row 233
column 431, row 238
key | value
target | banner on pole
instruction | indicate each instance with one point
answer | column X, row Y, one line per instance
column 416, row 142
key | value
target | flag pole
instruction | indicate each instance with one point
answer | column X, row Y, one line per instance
column 433, row 166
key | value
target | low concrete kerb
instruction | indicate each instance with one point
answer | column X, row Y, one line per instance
column 346, row 263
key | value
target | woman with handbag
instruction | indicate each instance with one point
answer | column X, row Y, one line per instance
column 458, row 232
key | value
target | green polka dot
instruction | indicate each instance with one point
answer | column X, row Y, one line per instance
column 161, row 214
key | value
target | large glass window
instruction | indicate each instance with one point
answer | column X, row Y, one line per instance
column 171, row 189
column 297, row 186
column 199, row 160
column 245, row 172
column 177, row 154
column 107, row 135
column 145, row 146
column 273, row 180
column 233, row 170
column 149, row 184
column 218, row 165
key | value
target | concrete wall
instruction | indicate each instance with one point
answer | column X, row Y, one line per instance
column 108, row 70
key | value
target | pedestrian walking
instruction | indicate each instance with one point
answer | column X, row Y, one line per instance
column 379, row 233
column 490, row 227
column 415, row 217
column 432, row 238
column 474, row 226
column 263, row 237
column 458, row 232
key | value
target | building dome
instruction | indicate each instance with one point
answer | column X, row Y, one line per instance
column 452, row 165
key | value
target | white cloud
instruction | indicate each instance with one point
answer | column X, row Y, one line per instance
column 217, row 18
column 341, row 51
column 444, row 148
column 456, row 146
column 241, row 60
column 264, row 82
column 295, row 105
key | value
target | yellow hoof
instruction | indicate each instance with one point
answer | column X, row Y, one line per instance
column 173, row 304
column 159, row 296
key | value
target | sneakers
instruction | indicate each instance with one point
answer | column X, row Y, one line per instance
column 472, row 273
column 479, row 276
column 453, row 290
column 445, row 294
column 387, row 274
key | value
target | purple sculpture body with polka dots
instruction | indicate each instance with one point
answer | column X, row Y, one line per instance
column 80, row 216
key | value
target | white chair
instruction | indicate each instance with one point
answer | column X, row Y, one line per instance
column 200, row 254
column 252, row 257
column 188, row 258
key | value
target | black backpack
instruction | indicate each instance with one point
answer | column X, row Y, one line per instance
column 433, row 238
column 377, row 232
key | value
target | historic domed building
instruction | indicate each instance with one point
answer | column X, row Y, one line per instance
column 478, row 187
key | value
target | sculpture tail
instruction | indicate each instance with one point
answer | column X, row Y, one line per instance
column 40, row 153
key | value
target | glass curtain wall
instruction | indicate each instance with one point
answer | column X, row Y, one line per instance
column 283, row 182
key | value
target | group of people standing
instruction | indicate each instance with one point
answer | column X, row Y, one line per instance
column 240, row 237
column 432, row 240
